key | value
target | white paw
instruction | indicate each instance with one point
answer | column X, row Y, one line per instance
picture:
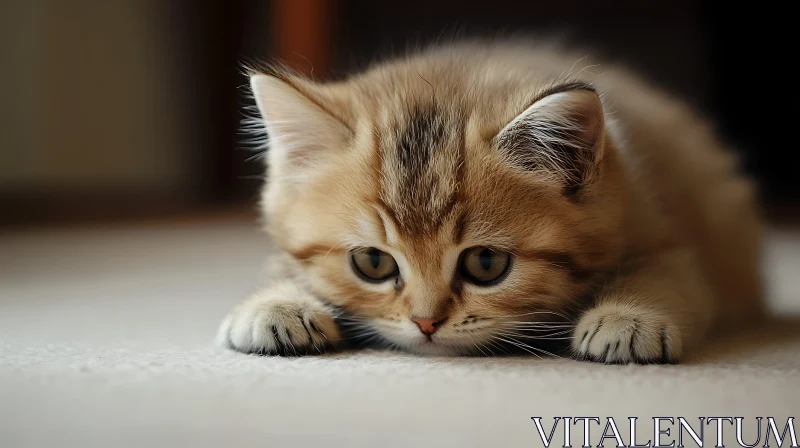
column 622, row 333
column 282, row 320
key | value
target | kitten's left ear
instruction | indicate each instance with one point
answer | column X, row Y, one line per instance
column 300, row 129
column 561, row 135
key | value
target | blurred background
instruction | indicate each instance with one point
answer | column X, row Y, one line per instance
column 128, row 223
column 125, row 109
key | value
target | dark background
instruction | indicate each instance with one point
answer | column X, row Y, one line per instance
column 130, row 108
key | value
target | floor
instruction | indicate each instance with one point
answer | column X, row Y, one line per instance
column 106, row 340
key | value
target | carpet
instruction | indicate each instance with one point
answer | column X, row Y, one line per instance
column 106, row 340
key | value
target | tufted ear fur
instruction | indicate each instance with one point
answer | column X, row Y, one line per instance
column 299, row 129
column 561, row 135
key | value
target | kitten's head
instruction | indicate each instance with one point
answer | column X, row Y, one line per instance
column 444, row 210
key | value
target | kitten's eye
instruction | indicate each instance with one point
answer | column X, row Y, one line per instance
column 482, row 265
column 373, row 265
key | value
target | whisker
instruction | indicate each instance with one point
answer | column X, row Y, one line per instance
column 477, row 344
column 498, row 346
column 520, row 345
column 532, row 348
column 545, row 337
column 533, row 313
column 539, row 325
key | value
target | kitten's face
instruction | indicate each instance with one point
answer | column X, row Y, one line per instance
column 439, row 226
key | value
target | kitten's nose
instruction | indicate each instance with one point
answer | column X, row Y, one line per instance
column 427, row 326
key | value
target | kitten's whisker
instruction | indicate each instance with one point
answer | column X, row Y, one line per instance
column 542, row 324
column 533, row 313
column 547, row 353
column 529, row 346
column 545, row 337
column 498, row 346
column 256, row 156
column 477, row 343
column 339, row 243
column 538, row 330
column 520, row 345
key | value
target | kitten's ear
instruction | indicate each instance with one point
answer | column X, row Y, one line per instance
column 300, row 131
column 562, row 135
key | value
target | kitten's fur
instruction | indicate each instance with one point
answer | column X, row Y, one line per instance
column 622, row 210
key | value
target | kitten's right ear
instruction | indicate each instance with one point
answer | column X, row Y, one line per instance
column 300, row 130
column 560, row 134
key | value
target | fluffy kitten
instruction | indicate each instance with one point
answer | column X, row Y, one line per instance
column 481, row 197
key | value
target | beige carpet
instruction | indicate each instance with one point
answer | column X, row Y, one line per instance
column 105, row 340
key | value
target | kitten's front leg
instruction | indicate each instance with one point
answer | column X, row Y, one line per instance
column 648, row 315
column 282, row 319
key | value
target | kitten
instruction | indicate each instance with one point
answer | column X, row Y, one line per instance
column 481, row 197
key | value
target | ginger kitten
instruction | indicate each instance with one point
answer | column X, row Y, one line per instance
column 484, row 198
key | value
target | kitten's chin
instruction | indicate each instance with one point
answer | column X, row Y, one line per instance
column 436, row 348
column 408, row 338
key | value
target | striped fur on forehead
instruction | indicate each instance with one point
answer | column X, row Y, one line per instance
column 421, row 154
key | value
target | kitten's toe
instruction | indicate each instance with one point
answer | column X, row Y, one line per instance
column 272, row 326
column 619, row 334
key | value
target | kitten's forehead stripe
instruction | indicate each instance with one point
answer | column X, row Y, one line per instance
column 416, row 143
column 421, row 150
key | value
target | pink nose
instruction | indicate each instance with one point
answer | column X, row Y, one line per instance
column 427, row 326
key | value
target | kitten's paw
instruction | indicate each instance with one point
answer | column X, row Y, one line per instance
column 282, row 320
column 621, row 333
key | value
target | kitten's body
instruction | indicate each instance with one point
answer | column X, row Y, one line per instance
column 627, row 218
